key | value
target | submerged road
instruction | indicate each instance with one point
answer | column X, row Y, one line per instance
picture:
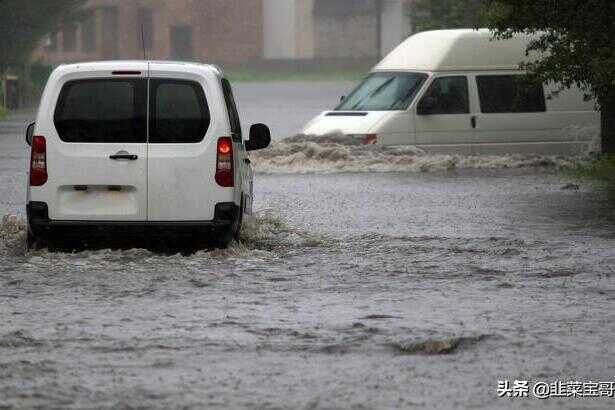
column 350, row 290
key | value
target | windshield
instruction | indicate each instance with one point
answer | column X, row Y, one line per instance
column 384, row 92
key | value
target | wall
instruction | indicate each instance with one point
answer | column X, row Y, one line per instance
column 304, row 25
column 229, row 30
column 243, row 30
column 396, row 25
column 222, row 30
column 279, row 29
column 345, row 29
column 288, row 29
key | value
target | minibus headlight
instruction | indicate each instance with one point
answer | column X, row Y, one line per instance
column 365, row 139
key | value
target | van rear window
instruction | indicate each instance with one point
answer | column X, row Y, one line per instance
column 179, row 112
column 510, row 94
column 102, row 111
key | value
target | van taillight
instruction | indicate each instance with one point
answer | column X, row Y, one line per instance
column 38, row 161
column 224, row 162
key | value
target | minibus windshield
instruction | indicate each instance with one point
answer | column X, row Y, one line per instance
column 384, row 92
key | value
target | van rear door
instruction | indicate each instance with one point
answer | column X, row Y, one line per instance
column 97, row 150
column 182, row 147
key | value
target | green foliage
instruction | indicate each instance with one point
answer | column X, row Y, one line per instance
column 575, row 36
column 601, row 170
column 441, row 14
column 575, row 39
column 39, row 73
column 24, row 22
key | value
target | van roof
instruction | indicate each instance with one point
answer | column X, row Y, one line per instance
column 457, row 50
column 137, row 64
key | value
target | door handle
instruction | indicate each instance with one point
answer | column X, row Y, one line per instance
column 247, row 161
column 124, row 155
column 473, row 121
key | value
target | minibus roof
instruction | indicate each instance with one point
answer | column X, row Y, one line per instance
column 457, row 50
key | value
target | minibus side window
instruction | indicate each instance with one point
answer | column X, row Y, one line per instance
column 510, row 94
column 179, row 113
column 446, row 95
column 102, row 111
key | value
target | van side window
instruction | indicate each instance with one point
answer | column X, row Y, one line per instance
column 179, row 113
column 231, row 107
column 102, row 111
column 446, row 95
column 510, row 94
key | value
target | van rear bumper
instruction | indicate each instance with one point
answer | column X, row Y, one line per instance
column 39, row 223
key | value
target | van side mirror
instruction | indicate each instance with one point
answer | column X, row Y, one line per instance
column 427, row 106
column 30, row 134
column 260, row 137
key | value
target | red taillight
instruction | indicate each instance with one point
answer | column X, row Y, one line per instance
column 224, row 162
column 38, row 161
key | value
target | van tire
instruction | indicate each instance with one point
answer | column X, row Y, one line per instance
column 223, row 239
column 225, row 236
column 31, row 241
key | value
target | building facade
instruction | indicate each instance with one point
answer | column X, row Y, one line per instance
column 216, row 30
column 230, row 30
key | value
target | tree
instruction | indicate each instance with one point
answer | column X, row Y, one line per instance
column 23, row 23
column 576, row 39
column 441, row 14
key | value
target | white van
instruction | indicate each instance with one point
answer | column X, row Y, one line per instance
column 127, row 146
column 460, row 91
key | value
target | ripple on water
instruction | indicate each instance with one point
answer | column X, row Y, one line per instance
column 18, row 339
column 447, row 345
column 265, row 236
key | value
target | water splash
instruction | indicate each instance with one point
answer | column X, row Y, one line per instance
column 337, row 153
column 267, row 230
column 12, row 235
column 264, row 231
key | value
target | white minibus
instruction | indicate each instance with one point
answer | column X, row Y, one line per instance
column 461, row 91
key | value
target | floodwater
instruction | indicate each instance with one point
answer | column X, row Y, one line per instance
column 368, row 278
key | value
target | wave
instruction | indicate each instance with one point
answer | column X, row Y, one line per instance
column 263, row 232
column 336, row 153
column 12, row 235
column 267, row 230
column 436, row 346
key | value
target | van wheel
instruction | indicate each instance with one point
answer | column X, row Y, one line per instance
column 30, row 241
column 33, row 243
column 222, row 241
column 233, row 232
